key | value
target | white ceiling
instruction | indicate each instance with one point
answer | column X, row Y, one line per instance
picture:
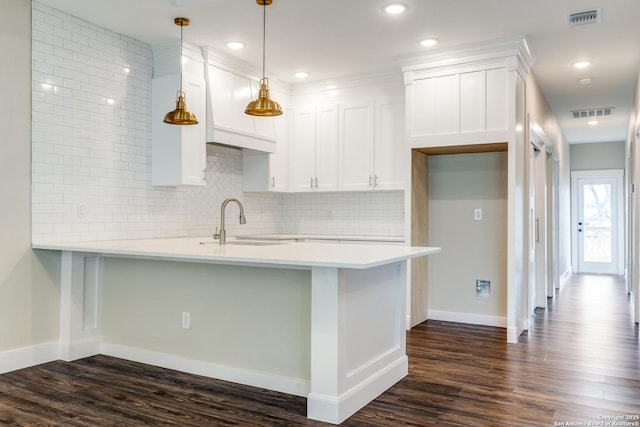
column 342, row 38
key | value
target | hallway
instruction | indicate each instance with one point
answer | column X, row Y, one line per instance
column 580, row 363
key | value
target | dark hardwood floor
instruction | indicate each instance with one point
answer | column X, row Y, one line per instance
column 579, row 363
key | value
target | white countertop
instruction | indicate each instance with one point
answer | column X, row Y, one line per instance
column 277, row 254
column 341, row 237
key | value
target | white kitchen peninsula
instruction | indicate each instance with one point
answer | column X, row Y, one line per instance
column 353, row 346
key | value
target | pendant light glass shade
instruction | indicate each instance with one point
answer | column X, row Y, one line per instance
column 180, row 116
column 264, row 106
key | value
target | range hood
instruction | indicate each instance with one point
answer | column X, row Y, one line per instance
column 228, row 93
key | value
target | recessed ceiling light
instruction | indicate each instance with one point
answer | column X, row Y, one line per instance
column 592, row 122
column 582, row 64
column 301, row 74
column 585, row 80
column 429, row 42
column 394, row 8
column 235, row 45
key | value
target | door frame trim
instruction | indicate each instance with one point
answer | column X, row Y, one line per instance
column 603, row 173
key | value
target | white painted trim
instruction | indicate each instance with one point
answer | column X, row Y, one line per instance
column 79, row 349
column 295, row 386
column 472, row 319
column 336, row 410
column 26, row 357
column 512, row 335
column 565, row 276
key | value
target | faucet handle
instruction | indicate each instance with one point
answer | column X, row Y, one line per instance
column 216, row 235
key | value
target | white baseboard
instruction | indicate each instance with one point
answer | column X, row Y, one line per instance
column 513, row 334
column 565, row 275
column 293, row 386
column 79, row 349
column 473, row 319
column 335, row 410
column 26, row 357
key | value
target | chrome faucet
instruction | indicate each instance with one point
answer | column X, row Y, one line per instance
column 223, row 233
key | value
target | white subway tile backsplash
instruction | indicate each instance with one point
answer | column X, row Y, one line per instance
column 91, row 131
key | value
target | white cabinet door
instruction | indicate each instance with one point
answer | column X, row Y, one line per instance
column 178, row 152
column 356, row 147
column 278, row 160
column 268, row 171
column 303, row 150
column 390, row 158
column 326, row 148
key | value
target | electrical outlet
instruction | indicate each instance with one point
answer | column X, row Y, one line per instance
column 477, row 214
column 82, row 209
column 186, row 320
column 483, row 288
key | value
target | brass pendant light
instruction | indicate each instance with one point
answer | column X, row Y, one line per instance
column 263, row 106
column 180, row 116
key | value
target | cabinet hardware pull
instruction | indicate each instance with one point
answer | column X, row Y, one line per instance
column 375, row 181
column 316, row 182
column 273, row 181
column 370, row 180
column 311, row 185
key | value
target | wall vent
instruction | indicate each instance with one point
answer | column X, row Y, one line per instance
column 593, row 112
column 583, row 18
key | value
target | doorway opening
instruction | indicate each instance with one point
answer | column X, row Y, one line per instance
column 466, row 206
column 597, row 218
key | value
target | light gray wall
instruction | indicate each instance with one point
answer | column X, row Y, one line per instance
column 29, row 296
column 250, row 318
column 458, row 184
column 540, row 114
column 594, row 156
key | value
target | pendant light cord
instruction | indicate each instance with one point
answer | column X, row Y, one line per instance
column 181, row 28
column 264, row 34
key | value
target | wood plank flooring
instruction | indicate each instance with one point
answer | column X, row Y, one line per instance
column 579, row 363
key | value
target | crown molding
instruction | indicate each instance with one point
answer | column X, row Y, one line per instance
column 513, row 53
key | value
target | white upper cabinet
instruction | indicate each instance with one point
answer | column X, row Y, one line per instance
column 356, row 146
column 315, row 149
column 465, row 97
column 390, row 153
column 268, row 171
column 371, row 146
column 178, row 152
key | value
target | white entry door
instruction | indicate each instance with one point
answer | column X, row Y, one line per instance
column 598, row 223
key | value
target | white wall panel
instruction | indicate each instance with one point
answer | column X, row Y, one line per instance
column 473, row 110
column 423, row 108
column 447, row 102
column 497, row 98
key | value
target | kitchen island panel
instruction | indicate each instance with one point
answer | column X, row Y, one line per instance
column 247, row 318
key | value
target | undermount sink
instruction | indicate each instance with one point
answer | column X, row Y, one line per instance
column 252, row 243
column 246, row 242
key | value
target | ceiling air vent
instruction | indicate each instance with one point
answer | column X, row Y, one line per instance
column 593, row 112
column 583, row 18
